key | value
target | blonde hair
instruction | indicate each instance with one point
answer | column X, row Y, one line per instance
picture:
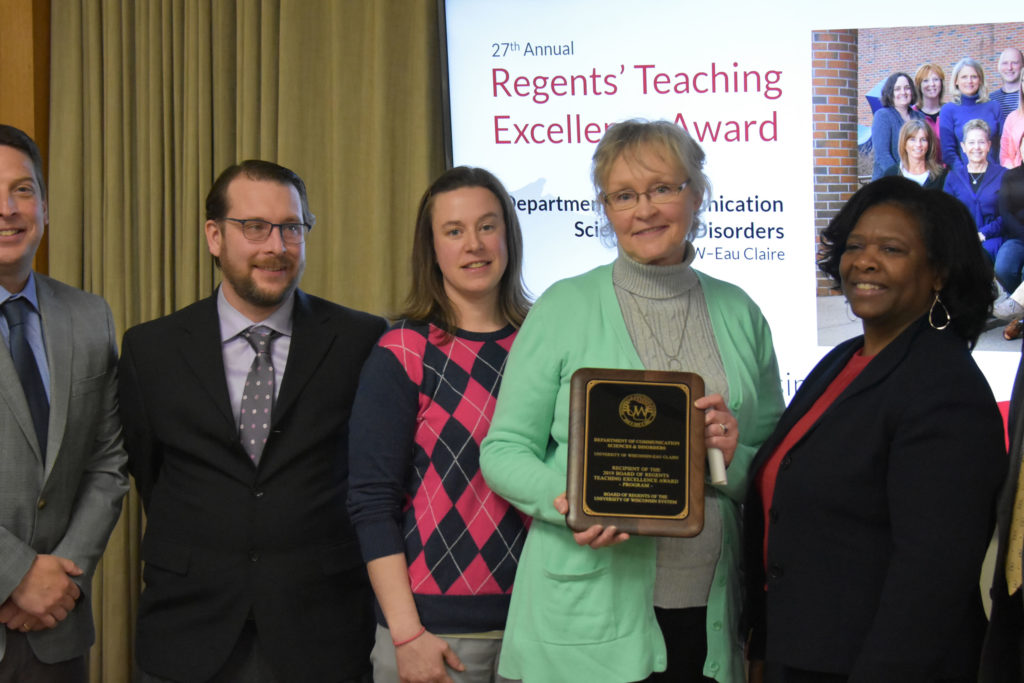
column 967, row 61
column 629, row 137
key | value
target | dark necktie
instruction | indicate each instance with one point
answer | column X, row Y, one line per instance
column 17, row 312
column 258, row 394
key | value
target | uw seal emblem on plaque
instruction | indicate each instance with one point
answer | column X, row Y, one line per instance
column 637, row 410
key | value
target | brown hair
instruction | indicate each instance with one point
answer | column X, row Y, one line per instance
column 912, row 127
column 427, row 299
column 889, row 89
column 254, row 169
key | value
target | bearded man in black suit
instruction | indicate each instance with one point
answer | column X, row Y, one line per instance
column 252, row 569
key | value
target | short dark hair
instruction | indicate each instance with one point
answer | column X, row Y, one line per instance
column 890, row 86
column 19, row 140
column 950, row 237
column 427, row 299
column 254, row 169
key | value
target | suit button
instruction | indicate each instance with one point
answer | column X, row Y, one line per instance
column 254, row 556
column 775, row 571
column 41, row 504
column 786, row 462
column 773, row 515
column 716, row 626
column 257, row 493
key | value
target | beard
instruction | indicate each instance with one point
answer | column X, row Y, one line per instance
column 245, row 286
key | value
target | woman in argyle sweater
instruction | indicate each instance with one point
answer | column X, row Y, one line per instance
column 441, row 548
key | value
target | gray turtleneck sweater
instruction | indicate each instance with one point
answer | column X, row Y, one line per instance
column 667, row 319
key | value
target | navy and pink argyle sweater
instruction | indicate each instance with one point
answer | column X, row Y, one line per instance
column 424, row 405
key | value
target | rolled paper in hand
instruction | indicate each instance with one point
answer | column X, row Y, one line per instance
column 716, row 466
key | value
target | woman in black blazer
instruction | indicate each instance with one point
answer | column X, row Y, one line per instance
column 871, row 505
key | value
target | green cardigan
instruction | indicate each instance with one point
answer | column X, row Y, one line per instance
column 580, row 614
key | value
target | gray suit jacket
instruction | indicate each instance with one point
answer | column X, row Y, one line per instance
column 69, row 507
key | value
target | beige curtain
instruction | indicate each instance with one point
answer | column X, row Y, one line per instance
column 150, row 99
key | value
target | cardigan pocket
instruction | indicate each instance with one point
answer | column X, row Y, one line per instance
column 579, row 608
column 575, row 600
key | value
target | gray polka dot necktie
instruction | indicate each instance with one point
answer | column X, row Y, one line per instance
column 258, row 394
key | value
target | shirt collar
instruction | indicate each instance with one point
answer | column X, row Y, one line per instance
column 28, row 292
column 232, row 322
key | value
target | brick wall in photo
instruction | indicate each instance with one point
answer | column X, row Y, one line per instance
column 847, row 63
column 883, row 51
column 834, row 74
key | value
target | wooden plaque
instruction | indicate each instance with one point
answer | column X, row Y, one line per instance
column 636, row 452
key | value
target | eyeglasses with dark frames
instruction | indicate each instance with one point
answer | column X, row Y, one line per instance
column 256, row 230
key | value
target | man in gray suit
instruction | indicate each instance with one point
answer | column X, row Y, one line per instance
column 62, row 464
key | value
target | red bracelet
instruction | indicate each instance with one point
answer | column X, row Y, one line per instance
column 409, row 640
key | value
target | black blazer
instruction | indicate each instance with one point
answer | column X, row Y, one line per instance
column 226, row 540
column 881, row 517
column 1001, row 656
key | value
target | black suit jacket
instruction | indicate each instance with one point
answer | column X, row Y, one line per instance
column 226, row 540
column 1001, row 657
column 881, row 517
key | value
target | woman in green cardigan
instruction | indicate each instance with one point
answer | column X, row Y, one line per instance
column 597, row 605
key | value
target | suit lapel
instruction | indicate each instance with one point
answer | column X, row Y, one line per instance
column 12, row 394
column 58, row 336
column 310, row 342
column 811, row 389
column 880, row 367
column 200, row 350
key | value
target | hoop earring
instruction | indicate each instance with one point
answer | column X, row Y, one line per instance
column 945, row 313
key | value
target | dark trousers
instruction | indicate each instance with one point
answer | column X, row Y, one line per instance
column 246, row 664
column 20, row 665
column 1002, row 659
column 780, row 673
column 686, row 640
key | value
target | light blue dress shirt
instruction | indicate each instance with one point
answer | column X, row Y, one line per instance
column 34, row 330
